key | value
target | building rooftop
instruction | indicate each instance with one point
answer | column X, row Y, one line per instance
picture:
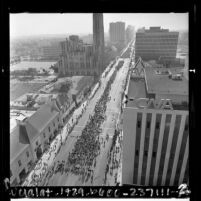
column 160, row 83
column 157, row 81
column 136, row 89
column 42, row 117
column 155, row 30
column 54, row 86
column 32, row 100
column 18, row 115
column 18, row 142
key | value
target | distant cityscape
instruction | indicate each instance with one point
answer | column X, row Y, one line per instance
column 102, row 109
column 48, row 47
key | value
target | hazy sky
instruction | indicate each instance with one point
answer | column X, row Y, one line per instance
column 25, row 24
column 104, row 199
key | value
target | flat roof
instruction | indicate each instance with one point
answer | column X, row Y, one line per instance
column 162, row 84
column 42, row 117
column 136, row 89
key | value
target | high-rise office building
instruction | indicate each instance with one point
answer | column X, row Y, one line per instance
column 98, row 41
column 155, row 127
column 156, row 44
column 117, row 32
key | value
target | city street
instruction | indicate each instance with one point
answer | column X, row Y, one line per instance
column 64, row 142
column 112, row 113
column 101, row 101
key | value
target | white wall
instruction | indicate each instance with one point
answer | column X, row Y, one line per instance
column 14, row 167
column 40, row 138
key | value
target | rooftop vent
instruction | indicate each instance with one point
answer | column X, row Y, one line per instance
column 177, row 77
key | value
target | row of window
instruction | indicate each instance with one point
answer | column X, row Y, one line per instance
column 157, row 125
column 156, row 47
column 155, row 147
column 19, row 161
column 49, row 129
column 142, row 36
column 147, row 40
column 156, row 43
column 145, row 153
column 150, row 55
column 156, row 50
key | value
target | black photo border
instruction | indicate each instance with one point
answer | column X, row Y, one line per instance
column 106, row 6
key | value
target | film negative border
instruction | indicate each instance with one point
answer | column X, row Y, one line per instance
column 129, row 191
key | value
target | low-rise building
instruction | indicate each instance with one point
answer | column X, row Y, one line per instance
column 30, row 137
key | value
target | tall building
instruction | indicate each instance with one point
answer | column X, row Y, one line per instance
column 98, row 41
column 30, row 136
column 155, row 127
column 117, row 32
column 51, row 52
column 76, row 57
column 156, row 44
column 129, row 33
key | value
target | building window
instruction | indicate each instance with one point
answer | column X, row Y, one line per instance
column 148, row 124
column 146, row 153
column 19, row 163
column 138, row 124
column 36, row 143
column 157, row 125
column 137, row 153
column 44, row 135
column 27, row 153
column 154, row 154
